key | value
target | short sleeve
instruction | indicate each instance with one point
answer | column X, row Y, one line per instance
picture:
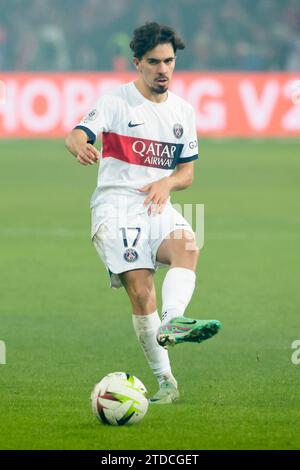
column 98, row 119
column 190, row 144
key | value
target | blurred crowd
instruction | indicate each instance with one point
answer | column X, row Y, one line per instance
column 94, row 34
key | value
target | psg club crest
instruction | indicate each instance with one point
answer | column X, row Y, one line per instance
column 130, row 255
column 178, row 130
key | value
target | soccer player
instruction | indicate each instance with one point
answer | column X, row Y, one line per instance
column 147, row 133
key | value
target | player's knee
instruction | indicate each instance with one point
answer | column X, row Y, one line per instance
column 193, row 252
column 141, row 293
column 190, row 247
column 187, row 257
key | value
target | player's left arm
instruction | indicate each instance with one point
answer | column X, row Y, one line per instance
column 183, row 177
column 159, row 191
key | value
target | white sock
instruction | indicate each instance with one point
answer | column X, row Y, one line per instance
column 177, row 291
column 146, row 327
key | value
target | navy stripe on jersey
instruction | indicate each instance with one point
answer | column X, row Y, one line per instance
column 188, row 159
column 92, row 137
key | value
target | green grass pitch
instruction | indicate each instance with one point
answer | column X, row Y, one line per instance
column 64, row 328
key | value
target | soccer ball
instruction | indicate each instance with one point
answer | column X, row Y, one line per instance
column 119, row 398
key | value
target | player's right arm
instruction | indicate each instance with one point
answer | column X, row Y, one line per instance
column 77, row 144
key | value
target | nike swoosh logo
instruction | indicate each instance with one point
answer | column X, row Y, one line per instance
column 134, row 125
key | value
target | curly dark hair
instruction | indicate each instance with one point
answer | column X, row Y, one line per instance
column 149, row 35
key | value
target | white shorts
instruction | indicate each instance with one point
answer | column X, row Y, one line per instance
column 132, row 243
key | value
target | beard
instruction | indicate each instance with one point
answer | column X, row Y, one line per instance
column 159, row 89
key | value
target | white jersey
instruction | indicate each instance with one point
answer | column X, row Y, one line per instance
column 142, row 142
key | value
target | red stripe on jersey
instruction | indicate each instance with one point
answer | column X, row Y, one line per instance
column 139, row 151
